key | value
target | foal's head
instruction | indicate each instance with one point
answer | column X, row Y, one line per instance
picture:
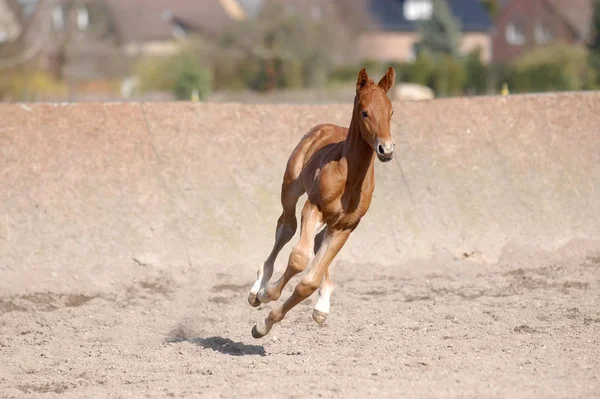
column 373, row 110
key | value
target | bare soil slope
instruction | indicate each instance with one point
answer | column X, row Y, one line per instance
column 130, row 235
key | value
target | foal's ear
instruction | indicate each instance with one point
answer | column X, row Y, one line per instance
column 363, row 79
column 387, row 81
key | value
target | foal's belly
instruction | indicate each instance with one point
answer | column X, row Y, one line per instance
column 327, row 191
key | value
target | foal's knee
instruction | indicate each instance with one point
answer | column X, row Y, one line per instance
column 291, row 224
column 286, row 227
column 298, row 260
column 307, row 286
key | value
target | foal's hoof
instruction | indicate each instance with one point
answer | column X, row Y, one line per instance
column 253, row 300
column 261, row 329
column 255, row 333
column 319, row 316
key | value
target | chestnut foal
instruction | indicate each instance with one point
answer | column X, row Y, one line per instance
column 334, row 166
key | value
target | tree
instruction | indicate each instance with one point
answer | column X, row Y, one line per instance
column 14, row 52
column 476, row 73
column 556, row 67
column 441, row 34
column 20, row 77
column 492, row 7
column 594, row 45
column 441, row 37
column 181, row 74
column 278, row 48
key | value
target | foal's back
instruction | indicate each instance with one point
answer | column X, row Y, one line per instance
column 321, row 145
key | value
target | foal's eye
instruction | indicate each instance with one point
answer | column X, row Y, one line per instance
column 392, row 112
column 364, row 114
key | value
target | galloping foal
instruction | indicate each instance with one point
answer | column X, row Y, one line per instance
column 334, row 166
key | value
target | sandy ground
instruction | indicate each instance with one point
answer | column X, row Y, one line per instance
column 527, row 327
column 129, row 243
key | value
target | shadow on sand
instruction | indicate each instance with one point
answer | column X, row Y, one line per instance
column 221, row 345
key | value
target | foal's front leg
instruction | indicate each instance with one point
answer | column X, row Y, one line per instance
column 311, row 222
column 286, row 228
column 265, row 271
column 334, row 241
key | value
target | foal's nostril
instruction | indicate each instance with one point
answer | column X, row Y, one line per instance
column 380, row 149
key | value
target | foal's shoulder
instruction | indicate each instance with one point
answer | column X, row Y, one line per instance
column 325, row 135
column 334, row 132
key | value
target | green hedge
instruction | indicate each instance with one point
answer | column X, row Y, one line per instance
column 447, row 76
column 180, row 74
column 554, row 68
column 550, row 68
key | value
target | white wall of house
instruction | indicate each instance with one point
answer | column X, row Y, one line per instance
column 399, row 46
column 152, row 48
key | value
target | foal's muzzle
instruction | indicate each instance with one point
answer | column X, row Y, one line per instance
column 385, row 151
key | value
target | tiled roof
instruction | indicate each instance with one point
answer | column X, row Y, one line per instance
column 144, row 20
column 389, row 15
column 577, row 14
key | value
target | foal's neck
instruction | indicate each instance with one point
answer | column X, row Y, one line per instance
column 359, row 155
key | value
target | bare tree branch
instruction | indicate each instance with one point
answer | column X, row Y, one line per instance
column 43, row 17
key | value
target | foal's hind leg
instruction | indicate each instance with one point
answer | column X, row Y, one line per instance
column 286, row 228
column 321, row 310
column 333, row 242
column 311, row 222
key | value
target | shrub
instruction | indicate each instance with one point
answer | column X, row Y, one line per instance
column 498, row 74
column 180, row 74
column 476, row 73
column 292, row 75
column 449, row 77
column 421, row 71
column 30, row 85
column 344, row 74
column 445, row 75
column 375, row 69
column 553, row 68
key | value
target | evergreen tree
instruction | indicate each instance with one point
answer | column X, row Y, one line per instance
column 492, row 7
column 595, row 42
column 441, row 34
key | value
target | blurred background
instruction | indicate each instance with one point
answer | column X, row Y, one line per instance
column 292, row 50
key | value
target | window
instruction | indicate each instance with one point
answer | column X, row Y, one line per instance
column 178, row 30
column 58, row 17
column 417, row 9
column 252, row 7
column 83, row 18
column 543, row 33
column 316, row 12
column 515, row 34
column 28, row 7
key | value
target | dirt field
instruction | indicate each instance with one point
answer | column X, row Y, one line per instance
column 130, row 235
column 528, row 327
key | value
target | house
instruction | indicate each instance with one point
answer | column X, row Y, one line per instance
column 96, row 42
column 10, row 27
column 524, row 24
column 392, row 33
column 153, row 27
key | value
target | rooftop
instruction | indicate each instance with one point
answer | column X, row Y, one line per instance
column 391, row 15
